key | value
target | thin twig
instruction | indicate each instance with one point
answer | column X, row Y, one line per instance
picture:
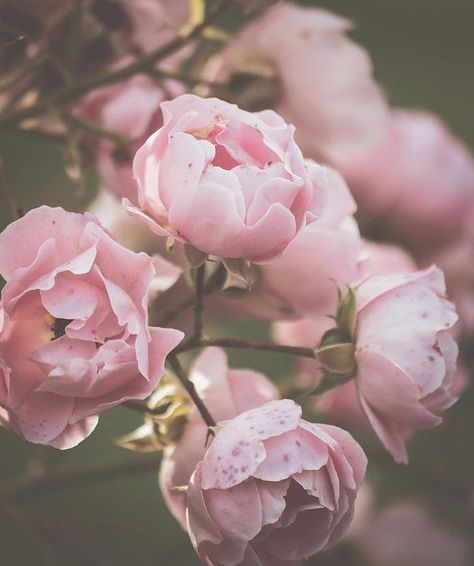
column 246, row 345
column 212, row 284
column 97, row 130
column 189, row 386
column 200, row 275
column 143, row 65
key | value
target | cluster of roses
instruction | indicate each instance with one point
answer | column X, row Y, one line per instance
column 231, row 188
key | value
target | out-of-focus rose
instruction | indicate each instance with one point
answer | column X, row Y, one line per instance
column 273, row 488
column 154, row 22
column 419, row 180
column 230, row 183
column 323, row 256
column 403, row 533
column 325, row 80
column 132, row 110
column 405, row 354
column 383, row 259
column 75, row 338
column 457, row 260
column 226, row 393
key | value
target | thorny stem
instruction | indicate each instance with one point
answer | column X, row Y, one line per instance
column 143, row 65
column 189, row 386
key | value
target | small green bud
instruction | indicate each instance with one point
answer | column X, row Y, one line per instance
column 346, row 313
column 337, row 358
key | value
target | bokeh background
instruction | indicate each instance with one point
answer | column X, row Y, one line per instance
column 423, row 56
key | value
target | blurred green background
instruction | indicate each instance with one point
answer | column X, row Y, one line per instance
column 423, row 56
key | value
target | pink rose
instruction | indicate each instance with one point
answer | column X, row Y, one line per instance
column 405, row 354
column 324, row 254
column 404, row 533
column 273, row 488
column 342, row 404
column 457, row 260
column 324, row 80
column 419, row 180
column 154, row 22
column 75, row 338
column 226, row 393
column 132, row 110
column 231, row 183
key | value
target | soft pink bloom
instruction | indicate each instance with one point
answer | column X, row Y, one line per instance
column 231, row 183
column 406, row 356
column 405, row 534
column 457, row 261
column 325, row 80
column 273, row 488
column 226, row 393
column 383, row 259
column 125, row 229
column 419, row 180
column 154, row 22
column 324, row 254
column 132, row 110
column 75, row 338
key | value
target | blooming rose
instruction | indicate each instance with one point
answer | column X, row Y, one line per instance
column 324, row 80
column 231, row 183
column 405, row 354
column 419, row 181
column 74, row 338
column 132, row 110
column 273, row 488
column 325, row 254
column 226, row 393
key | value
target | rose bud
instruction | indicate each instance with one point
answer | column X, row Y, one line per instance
column 302, row 62
column 75, row 338
column 404, row 355
column 226, row 393
column 273, row 488
column 231, row 183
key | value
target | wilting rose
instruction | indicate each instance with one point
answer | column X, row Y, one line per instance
column 322, row 80
column 230, row 183
column 405, row 354
column 323, row 256
column 226, row 393
column 419, row 181
column 273, row 488
column 75, row 338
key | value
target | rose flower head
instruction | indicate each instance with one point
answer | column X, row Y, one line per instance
column 273, row 488
column 74, row 335
column 231, row 183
